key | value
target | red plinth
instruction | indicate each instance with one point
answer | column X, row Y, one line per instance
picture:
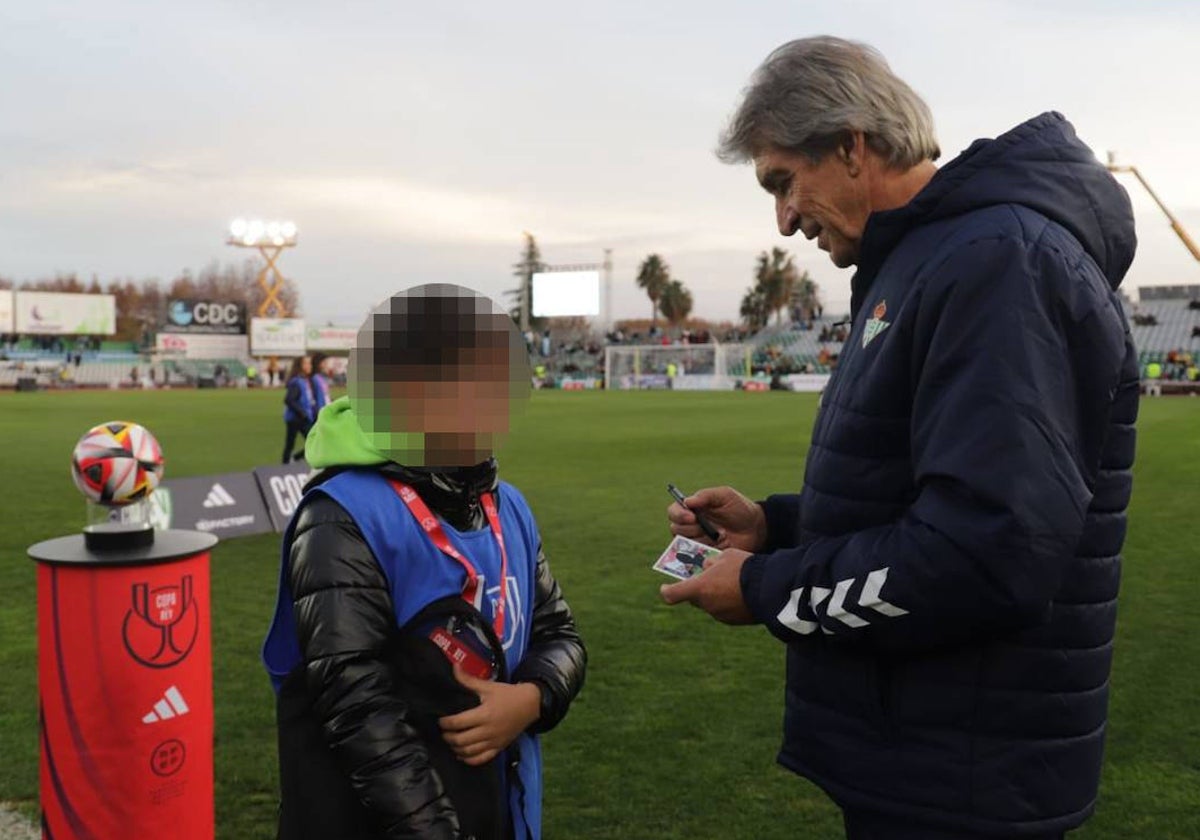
column 125, row 684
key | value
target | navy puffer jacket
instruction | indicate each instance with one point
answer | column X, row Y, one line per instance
column 946, row 582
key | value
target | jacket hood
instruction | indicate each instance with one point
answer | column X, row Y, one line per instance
column 337, row 440
column 337, row 443
column 1041, row 164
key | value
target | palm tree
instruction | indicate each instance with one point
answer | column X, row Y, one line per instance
column 776, row 276
column 806, row 297
column 675, row 303
column 653, row 277
column 754, row 309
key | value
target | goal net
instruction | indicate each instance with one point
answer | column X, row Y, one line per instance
column 679, row 366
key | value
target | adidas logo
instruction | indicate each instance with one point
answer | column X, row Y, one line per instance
column 171, row 705
column 218, row 496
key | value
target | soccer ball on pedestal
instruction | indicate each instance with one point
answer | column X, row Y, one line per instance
column 117, row 463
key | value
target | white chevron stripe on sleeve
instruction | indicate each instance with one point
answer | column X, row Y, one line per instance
column 870, row 594
column 790, row 618
column 819, row 594
column 836, row 608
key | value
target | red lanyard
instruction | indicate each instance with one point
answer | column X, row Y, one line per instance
column 433, row 528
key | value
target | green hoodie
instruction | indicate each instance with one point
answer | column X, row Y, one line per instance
column 338, row 440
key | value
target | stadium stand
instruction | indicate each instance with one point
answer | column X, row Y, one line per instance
column 790, row 349
column 1165, row 325
column 1159, row 326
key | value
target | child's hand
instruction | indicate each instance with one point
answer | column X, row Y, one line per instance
column 504, row 712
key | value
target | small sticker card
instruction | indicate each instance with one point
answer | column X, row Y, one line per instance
column 684, row 558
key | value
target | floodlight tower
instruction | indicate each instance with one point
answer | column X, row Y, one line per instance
column 1187, row 241
column 269, row 238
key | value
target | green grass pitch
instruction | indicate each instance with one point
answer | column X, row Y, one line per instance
column 675, row 733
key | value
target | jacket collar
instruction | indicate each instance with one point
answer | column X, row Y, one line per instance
column 452, row 493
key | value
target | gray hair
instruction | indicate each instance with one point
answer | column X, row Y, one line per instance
column 809, row 94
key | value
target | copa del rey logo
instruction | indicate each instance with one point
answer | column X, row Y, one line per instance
column 162, row 624
column 876, row 325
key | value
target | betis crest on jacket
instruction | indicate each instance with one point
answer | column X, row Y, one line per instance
column 876, row 325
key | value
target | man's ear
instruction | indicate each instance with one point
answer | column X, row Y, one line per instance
column 852, row 151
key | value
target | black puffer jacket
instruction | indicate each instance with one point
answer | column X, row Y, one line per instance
column 947, row 581
column 353, row 764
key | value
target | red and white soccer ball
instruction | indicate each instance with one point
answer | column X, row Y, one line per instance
column 117, row 463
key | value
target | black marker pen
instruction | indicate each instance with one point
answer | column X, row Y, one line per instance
column 705, row 526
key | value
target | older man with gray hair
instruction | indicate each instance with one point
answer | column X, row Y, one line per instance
column 946, row 579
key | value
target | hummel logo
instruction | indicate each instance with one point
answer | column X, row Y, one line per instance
column 869, row 598
column 218, row 496
column 171, row 705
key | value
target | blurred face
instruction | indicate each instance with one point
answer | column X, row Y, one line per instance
column 826, row 201
column 471, row 398
column 439, row 405
column 306, row 366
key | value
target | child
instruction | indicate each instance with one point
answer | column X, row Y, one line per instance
column 420, row 642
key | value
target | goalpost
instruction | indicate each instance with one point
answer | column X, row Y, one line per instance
column 692, row 367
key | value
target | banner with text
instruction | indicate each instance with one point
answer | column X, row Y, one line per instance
column 227, row 505
column 63, row 313
column 196, row 346
column 187, row 315
column 282, row 487
column 331, row 339
column 277, row 336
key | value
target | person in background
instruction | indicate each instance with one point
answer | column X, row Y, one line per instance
column 320, row 383
column 298, row 412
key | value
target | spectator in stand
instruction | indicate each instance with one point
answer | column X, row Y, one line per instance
column 1153, row 379
column 320, row 383
column 546, row 343
column 299, row 407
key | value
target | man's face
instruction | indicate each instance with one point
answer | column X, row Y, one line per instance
column 821, row 200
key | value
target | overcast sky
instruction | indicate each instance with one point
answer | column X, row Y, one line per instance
column 413, row 142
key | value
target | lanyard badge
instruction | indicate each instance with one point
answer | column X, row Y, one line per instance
column 474, row 588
